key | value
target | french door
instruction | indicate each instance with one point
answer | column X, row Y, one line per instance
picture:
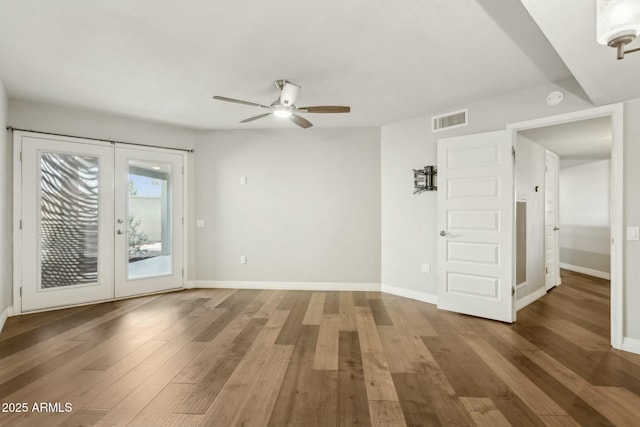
column 98, row 221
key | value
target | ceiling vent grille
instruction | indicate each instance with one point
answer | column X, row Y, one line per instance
column 450, row 120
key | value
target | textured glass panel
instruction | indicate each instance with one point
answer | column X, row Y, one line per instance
column 149, row 219
column 68, row 220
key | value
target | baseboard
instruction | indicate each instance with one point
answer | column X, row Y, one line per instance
column 289, row 286
column 313, row 286
column 3, row 317
column 532, row 297
column 408, row 293
column 588, row 271
column 630, row 344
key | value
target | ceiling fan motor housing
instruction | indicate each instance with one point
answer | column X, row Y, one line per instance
column 289, row 93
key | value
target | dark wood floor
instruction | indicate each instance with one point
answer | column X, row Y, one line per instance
column 224, row 357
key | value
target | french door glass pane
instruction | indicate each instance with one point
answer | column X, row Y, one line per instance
column 68, row 220
column 149, row 219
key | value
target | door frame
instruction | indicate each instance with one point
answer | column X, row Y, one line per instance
column 17, row 261
column 556, row 204
column 616, row 113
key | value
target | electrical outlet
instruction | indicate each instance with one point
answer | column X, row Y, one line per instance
column 243, row 259
column 199, row 223
column 425, row 268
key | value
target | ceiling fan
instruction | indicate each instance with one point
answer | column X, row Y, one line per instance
column 284, row 106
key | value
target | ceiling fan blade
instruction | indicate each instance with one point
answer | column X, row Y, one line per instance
column 238, row 101
column 289, row 93
column 250, row 119
column 301, row 121
column 325, row 109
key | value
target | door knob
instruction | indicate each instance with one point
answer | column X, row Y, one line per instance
column 120, row 220
column 443, row 233
column 120, row 232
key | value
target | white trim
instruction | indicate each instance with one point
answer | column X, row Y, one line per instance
column 288, row 286
column 531, row 298
column 585, row 270
column 616, row 112
column 17, row 217
column 630, row 344
column 8, row 312
column 408, row 293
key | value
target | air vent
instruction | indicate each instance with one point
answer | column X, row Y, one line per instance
column 450, row 120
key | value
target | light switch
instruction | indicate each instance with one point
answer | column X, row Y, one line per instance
column 243, row 180
column 633, row 233
column 199, row 223
column 425, row 268
column 243, row 259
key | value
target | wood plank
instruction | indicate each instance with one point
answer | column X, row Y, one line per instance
column 417, row 405
column 236, row 390
column 360, row 299
column 162, row 405
column 406, row 316
column 84, row 417
column 331, row 303
column 326, row 355
column 379, row 311
column 386, row 414
column 347, row 312
column 352, row 402
column 271, row 304
column 313, row 316
column 484, row 412
column 183, row 420
column 290, row 405
column 208, row 388
column 260, row 346
column 376, row 369
column 298, row 310
column 539, row 402
column 257, row 409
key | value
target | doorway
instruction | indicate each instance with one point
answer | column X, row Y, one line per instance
column 597, row 137
column 98, row 221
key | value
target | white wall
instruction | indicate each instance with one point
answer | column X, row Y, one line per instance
column 585, row 230
column 530, row 163
column 310, row 211
column 5, row 209
column 44, row 117
column 409, row 222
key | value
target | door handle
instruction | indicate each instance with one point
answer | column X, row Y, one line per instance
column 443, row 233
column 556, row 228
column 120, row 232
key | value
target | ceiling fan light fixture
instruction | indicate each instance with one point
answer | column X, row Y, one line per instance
column 618, row 24
column 282, row 113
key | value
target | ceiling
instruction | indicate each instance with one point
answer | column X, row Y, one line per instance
column 575, row 142
column 164, row 61
column 570, row 26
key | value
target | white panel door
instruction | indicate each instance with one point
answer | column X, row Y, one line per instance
column 551, row 225
column 67, row 222
column 475, row 225
column 149, row 223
